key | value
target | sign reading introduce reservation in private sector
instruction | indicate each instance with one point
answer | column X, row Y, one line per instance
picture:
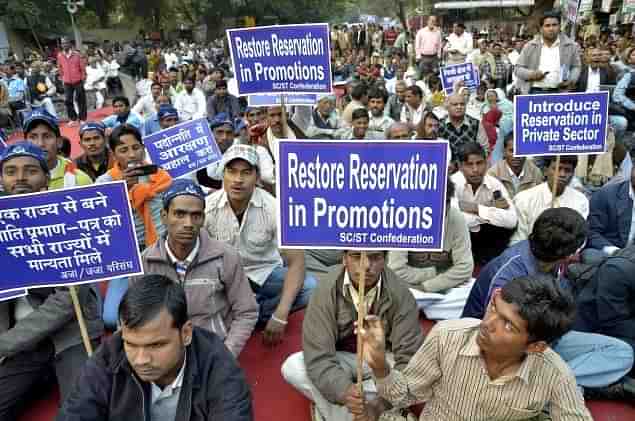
column 567, row 124
column 65, row 237
column 269, row 100
column 466, row 72
column 364, row 195
column 184, row 148
column 281, row 59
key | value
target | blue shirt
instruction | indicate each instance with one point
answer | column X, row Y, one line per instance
column 16, row 88
column 133, row 119
column 151, row 125
column 515, row 262
column 619, row 94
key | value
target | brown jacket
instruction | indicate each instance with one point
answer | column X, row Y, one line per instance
column 219, row 298
column 328, row 321
column 531, row 176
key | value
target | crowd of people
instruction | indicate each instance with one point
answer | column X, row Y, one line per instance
column 527, row 241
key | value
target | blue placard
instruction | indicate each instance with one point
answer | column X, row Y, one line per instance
column 567, row 124
column 281, row 59
column 184, row 148
column 10, row 295
column 362, row 195
column 453, row 73
column 65, row 237
column 268, row 100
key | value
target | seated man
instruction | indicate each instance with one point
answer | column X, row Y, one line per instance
column 531, row 203
column 501, row 368
column 597, row 361
column 485, row 203
column 159, row 366
column 122, row 115
column 42, row 129
column 516, row 173
column 606, row 305
column 145, row 182
column 444, row 272
column 218, row 294
column 324, row 118
column 379, row 122
column 244, row 216
column 610, row 220
column 97, row 158
column 154, row 123
column 325, row 372
column 39, row 333
column 458, row 127
column 358, row 129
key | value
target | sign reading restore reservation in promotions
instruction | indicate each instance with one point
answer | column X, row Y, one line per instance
column 184, row 148
column 566, row 124
column 65, row 237
column 371, row 195
column 281, row 59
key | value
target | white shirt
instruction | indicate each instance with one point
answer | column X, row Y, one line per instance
column 549, row 62
column 256, row 238
column 463, row 43
column 113, row 69
column 164, row 403
column 94, row 78
column 145, row 106
column 412, row 116
column 191, row 106
column 144, row 87
column 483, row 196
column 532, row 202
column 593, row 80
column 513, row 57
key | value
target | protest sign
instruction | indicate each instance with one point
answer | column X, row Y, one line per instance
column 363, row 195
column 9, row 295
column 184, row 148
column 281, row 59
column 268, row 100
column 567, row 124
column 67, row 237
column 466, row 72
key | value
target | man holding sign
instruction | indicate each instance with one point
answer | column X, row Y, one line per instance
column 38, row 332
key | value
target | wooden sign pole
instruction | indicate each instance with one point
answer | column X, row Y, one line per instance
column 554, row 183
column 80, row 320
column 361, row 315
column 284, row 116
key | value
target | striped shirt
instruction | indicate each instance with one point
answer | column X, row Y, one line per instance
column 449, row 374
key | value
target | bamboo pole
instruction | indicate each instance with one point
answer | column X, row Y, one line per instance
column 554, row 183
column 80, row 320
column 361, row 315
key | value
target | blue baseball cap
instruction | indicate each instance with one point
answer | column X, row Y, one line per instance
column 3, row 138
column 221, row 119
column 180, row 187
column 166, row 110
column 40, row 115
column 92, row 125
column 24, row 148
column 239, row 124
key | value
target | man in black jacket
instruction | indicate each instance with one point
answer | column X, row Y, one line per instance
column 159, row 367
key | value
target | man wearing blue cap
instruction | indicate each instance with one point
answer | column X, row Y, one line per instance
column 97, row 158
column 38, row 332
column 224, row 134
column 42, row 129
column 152, row 122
column 246, row 217
column 219, row 297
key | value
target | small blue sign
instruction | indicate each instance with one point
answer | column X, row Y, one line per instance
column 10, row 295
column 184, row 148
column 362, row 195
column 281, row 59
column 466, row 72
column 560, row 124
column 65, row 237
column 268, row 100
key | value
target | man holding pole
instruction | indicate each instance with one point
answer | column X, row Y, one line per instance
column 325, row 372
column 39, row 333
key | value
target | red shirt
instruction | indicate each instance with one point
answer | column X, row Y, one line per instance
column 390, row 37
column 72, row 68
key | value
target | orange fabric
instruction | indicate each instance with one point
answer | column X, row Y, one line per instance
column 140, row 196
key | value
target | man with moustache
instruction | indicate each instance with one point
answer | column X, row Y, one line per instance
column 516, row 173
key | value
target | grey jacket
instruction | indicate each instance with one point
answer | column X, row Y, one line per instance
column 53, row 317
column 219, row 298
column 529, row 60
column 328, row 323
